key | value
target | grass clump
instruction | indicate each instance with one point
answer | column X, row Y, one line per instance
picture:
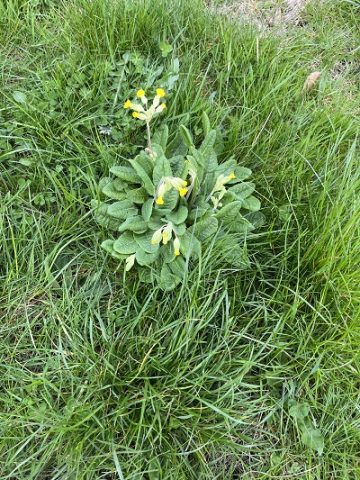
column 230, row 375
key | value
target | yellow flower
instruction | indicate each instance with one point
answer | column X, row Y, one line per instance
column 136, row 114
column 166, row 234
column 127, row 104
column 140, row 93
column 176, row 247
column 232, row 176
column 129, row 262
column 183, row 192
column 157, row 236
column 160, row 92
column 159, row 201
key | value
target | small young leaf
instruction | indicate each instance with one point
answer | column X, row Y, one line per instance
column 313, row 438
column 130, row 260
column 205, row 123
column 178, row 166
column 186, row 136
column 145, row 162
column 103, row 218
column 146, row 275
column 257, row 219
column 165, row 48
column 237, row 257
column 299, row 410
column 19, row 97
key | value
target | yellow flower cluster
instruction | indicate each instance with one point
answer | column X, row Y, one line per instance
column 164, row 235
column 220, row 189
column 143, row 111
column 166, row 184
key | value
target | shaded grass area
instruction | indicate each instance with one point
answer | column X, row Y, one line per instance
column 103, row 378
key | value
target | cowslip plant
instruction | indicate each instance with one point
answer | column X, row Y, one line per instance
column 164, row 207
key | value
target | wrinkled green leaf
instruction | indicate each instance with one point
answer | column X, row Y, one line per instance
column 145, row 179
column 125, row 244
column 162, row 167
column 122, row 209
column 108, row 246
column 161, row 136
column 146, row 258
column 114, row 189
column 134, row 224
column 251, row 203
column 178, row 216
column 205, row 228
column 243, row 190
column 186, row 136
column 138, row 195
column 168, row 281
column 147, row 208
column 128, row 174
column 178, row 267
column 144, row 242
column 242, row 173
column 229, row 212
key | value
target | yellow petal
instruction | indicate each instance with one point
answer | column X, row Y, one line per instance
column 159, row 201
column 160, row 92
column 135, row 114
column 232, row 176
column 177, row 253
column 140, row 93
column 127, row 104
column 183, row 192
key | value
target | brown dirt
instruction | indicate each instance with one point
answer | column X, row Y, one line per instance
column 263, row 14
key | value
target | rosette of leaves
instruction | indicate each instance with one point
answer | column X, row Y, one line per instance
column 164, row 206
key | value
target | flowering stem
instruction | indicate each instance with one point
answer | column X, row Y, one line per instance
column 148, row 136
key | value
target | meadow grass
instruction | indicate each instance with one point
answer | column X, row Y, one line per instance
column 103, row 378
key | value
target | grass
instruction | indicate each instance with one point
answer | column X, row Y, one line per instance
column 106, row 379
